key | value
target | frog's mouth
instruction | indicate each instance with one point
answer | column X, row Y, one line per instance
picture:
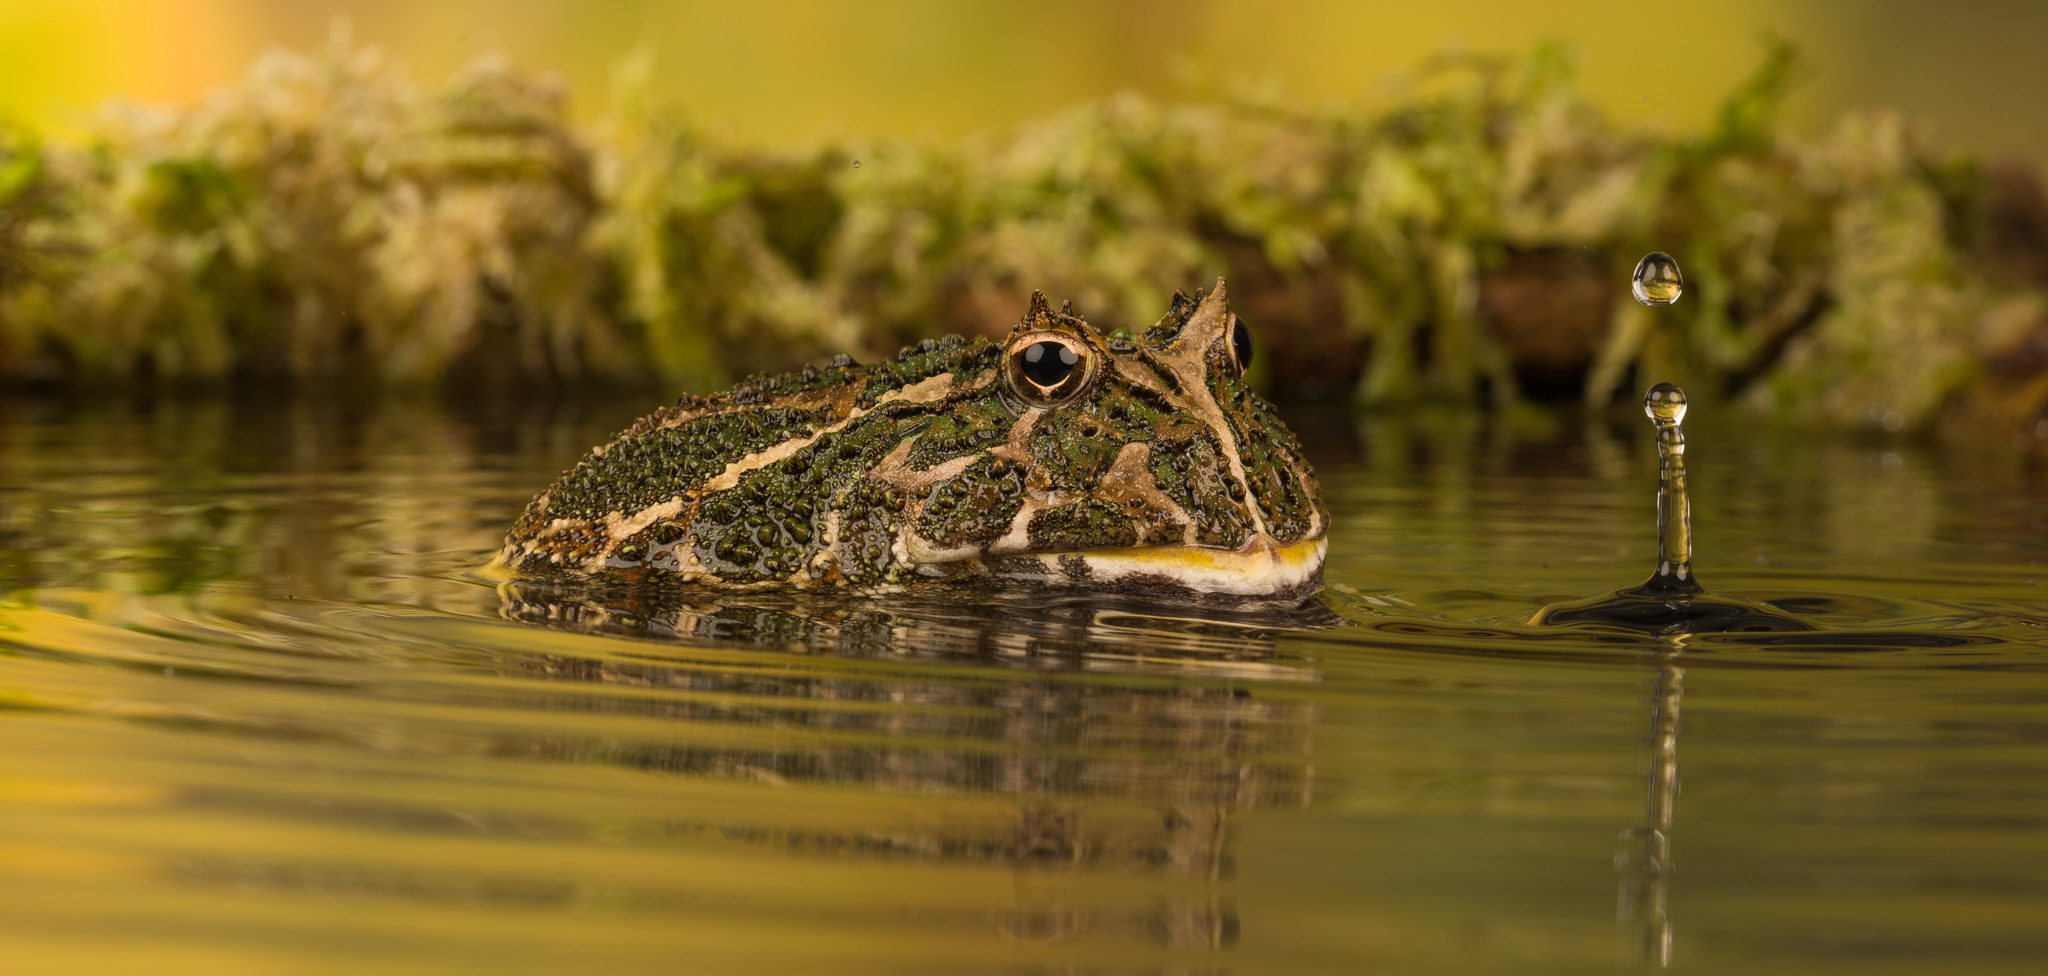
column 1263, row 569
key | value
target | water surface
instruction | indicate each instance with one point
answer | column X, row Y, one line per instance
column 260, row 712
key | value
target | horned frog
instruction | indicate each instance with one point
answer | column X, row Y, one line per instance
column 1060, row 456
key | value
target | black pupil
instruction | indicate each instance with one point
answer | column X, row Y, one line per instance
column 1241, row 344
column 1047, row 363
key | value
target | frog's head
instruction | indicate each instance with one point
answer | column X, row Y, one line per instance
column 1122, row 461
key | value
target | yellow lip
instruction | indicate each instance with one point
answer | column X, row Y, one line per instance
column 1261, row 569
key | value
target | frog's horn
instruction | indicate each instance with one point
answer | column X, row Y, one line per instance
column 1178, row 310
column 1209, row 321
column 1041, row 318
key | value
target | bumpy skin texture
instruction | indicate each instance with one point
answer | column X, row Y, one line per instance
column 948, row 460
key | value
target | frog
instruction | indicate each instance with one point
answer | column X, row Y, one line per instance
column 1062, row 456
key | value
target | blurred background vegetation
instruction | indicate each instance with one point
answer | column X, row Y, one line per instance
column 1433, row 204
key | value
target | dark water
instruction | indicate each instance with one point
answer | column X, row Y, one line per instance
column 260, row 713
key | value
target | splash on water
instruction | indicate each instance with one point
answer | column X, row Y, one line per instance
column 1671, row 601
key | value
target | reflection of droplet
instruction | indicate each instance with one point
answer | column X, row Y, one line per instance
column 1656, row 281
column 856, row 164
column 1665, row 405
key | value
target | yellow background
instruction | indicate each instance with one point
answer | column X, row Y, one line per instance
column 785, row 71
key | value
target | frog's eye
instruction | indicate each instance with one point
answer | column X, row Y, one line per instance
column 1241, row 343
column 1047, row 368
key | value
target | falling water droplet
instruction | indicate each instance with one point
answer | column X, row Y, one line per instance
column 1657, row 281
column 1665, row 405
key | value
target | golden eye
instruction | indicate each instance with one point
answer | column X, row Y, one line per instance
column 1047, row 368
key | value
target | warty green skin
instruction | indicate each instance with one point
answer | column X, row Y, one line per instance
column 944, row 462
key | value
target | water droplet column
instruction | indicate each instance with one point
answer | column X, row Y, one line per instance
column 1665, row 405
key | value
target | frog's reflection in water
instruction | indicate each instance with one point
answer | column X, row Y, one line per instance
column 1114, row 740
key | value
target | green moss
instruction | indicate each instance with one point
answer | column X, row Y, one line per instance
column 411, row 235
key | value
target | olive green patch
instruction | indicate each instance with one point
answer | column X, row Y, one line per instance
column 961, row 357
column 972, row 426
column 1196, row 477
column 869, row 514
column 1090, row 524
column 740, row 539
column 770, row 524
column 643, row 469
column 1137, row 414
column 1073, row 446
column 647, row 543
column 976, row 506
column 767, row 387
column 1272, row 459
